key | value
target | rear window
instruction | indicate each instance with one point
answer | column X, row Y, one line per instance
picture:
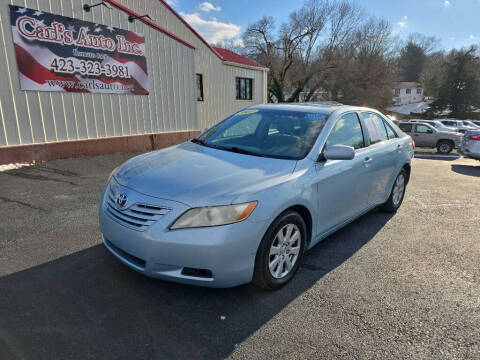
column 375, row 127
column 405, row 127
column 450, row 123
column 390, row 133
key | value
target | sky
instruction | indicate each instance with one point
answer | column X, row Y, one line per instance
column 454, row 22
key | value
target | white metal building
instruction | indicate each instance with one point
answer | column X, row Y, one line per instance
column 191, row 86
column 407, row 93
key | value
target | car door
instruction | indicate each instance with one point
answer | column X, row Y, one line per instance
column 424, row 136
column 342, row 189
column 383, row 155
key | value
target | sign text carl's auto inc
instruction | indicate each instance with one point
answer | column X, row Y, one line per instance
column 57, row 53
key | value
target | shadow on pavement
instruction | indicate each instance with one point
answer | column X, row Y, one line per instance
column 89, row 306
column 467, row 170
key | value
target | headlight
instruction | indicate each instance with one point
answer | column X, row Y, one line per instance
column 214, row 215
column 111, row 174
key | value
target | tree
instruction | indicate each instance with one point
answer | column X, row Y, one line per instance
column 459, row 92
column 428, row 44
column 327, row 47
column 433, row 73
column 301, row 50
column 364, row 73
column 411, row 62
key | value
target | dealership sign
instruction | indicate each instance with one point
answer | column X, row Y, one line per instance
column 57, row 53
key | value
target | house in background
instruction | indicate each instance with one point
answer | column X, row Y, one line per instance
column 407, row 93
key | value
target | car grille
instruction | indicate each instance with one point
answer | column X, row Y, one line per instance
column 138, row 216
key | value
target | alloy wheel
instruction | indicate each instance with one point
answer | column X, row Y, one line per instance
column 398, row 189
column 284, row 251
column 444, row 148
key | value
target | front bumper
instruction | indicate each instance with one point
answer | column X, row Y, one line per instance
column 226, row 252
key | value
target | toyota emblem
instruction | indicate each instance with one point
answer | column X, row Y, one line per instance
column 121, row 200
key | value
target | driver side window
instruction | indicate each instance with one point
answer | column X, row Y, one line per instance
column 347, row 131
column 423, row 129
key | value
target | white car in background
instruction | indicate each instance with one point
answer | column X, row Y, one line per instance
column 471, row 124
column 457, row 124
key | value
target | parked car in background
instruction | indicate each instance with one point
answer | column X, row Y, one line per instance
column 458, row 125
column 470, row 145
column 437, row 125
column 425, row 135
column 471, row 124
column 244, row 200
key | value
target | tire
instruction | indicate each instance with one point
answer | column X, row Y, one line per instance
column 445, row 147
column 275, row 278
column 395, row 200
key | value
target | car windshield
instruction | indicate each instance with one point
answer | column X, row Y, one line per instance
column 266, row 132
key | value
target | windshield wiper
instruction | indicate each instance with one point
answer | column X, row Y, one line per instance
column 198, row 141
column 238, row 150
column 234, row 149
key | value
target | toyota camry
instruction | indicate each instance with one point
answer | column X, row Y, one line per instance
column 248, row 197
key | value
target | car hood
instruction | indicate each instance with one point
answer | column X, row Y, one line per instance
column 197, row 175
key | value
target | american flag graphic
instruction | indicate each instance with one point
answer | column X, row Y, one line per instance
column 58, row 53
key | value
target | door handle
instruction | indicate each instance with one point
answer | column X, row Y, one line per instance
column 399, row 146
column 367, row 160
column 416, row 135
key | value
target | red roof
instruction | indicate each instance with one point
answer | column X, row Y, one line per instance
column 223, row 54
column 149, row 22
column 228, row 55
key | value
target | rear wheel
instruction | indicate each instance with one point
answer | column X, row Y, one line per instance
column 397, row 193
column 280, row 251
column 444, row 146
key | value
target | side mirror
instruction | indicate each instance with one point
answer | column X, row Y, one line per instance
column 339, row 152
column 430, row 131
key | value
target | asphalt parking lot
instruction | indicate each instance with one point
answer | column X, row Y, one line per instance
column 400, row 287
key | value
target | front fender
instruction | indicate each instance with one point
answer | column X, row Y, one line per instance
column 300, row 189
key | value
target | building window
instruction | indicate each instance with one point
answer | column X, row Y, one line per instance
column 397, row 92
column 409, row 91
column 244, row 89
column 419, row 91
column 199, row 78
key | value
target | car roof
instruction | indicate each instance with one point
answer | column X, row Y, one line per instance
column 327, row 107
column 415, row 122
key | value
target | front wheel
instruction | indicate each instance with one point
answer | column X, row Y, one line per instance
column 444, row 147
column 280, row 251
column 397, row 193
